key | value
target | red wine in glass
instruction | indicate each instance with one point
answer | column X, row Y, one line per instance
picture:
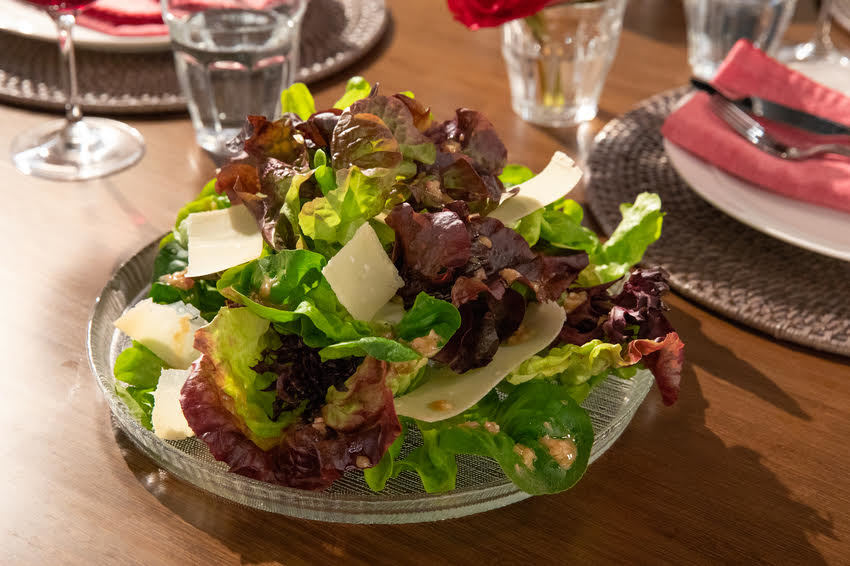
column 75, row 148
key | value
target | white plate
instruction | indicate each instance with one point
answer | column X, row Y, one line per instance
column 22, row 19
column 809, row 226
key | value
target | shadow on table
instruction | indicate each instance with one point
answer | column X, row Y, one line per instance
column 669, row 491
column 713, row 355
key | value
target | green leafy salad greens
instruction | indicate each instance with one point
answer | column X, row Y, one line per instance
column 289, row 387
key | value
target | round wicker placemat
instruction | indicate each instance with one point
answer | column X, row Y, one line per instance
column 334, row 34
column 788, row 292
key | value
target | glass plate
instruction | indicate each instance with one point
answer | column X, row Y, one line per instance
column 481, row 486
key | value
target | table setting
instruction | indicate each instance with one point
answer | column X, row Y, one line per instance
column 357, row 272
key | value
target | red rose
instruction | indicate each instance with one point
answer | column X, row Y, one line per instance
column 476, row 14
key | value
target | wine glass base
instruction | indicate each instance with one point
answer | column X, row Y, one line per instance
column 90, row 148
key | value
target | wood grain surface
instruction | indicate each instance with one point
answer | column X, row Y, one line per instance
column 750, row 466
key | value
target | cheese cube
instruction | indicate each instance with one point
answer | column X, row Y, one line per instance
column 167, row 416
column 220, row 239
column 167, row 330
column 557, row 179
column 362, row 275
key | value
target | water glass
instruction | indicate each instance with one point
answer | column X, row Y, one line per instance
column 233, row 59
column 715, row 25
column 557, row 60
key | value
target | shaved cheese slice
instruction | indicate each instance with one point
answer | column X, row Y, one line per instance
column 167, row 416
column 556, row 180
column 446, row 394
column 362, row 275
column 167, row 330
column 220, row 239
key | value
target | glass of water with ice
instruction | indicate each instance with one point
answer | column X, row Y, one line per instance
column 233, row 59
column 715, row 25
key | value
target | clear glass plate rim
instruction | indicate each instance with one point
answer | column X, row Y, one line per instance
column 309, row 504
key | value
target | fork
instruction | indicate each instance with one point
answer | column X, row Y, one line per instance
column 749, row 129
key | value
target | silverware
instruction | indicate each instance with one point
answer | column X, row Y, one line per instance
column 748, row 128
column 764, row 108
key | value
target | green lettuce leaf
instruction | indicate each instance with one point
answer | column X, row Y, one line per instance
column 298, row 100
column 172, row 258
column 375, row 346
column 571, row 364
column 139, row 401
column 334, row 218
column 640, row 227
column 207, row 200
column 136, row 373
column 561, row 227
column 289, row 289
column 538, row 434
column 234, row 342
column 376, row 477
column 429, row 314
column 138, row 366
column 529, row 227
column 513, row 175
column 355, row 89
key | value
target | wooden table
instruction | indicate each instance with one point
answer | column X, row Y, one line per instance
column 751, row 465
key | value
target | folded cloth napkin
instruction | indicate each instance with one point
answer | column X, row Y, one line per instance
column 124, row 17
column 144, row 17
column 747, row 71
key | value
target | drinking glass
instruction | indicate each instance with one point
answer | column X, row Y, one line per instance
column 557, row 60
column 819, row 49
column 714, row 26
column 75, row 148
column 233, row 60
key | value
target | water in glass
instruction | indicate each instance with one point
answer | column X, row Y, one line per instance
column 715, row 25
column 231, row 63
column 557, row 61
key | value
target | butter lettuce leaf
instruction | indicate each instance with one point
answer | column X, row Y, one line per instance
column 538, row 434
column 298, row 100
column 571, row 364
column 333, row 219
column 375, row 346
column 355, row 89
column 232, row 344
column 136, row 373
column 426, row 315
column 289, row 289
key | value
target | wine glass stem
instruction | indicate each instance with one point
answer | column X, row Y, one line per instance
column 822, row 41
column 65, row 25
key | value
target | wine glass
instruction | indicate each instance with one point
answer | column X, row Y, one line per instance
column 819, row 49
column 74, row 148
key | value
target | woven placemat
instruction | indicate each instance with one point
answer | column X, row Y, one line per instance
column 334, row 34
column 713, row 259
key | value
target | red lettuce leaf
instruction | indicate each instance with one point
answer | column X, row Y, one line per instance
column 664, row 358
column 638, row 310
column 431, row 246
column 469, row 158
column 318, row 129
column 302, row 376
column 364, row 140
column 356, row 428
column 399, row 118
column 473, row 261
column 275, row 140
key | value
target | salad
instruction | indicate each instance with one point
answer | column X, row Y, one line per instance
column 367, row 270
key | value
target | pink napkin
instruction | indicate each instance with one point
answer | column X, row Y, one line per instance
column 124, row 17
column 746, row 71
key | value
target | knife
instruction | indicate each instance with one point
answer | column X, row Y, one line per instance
column 764, row 108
